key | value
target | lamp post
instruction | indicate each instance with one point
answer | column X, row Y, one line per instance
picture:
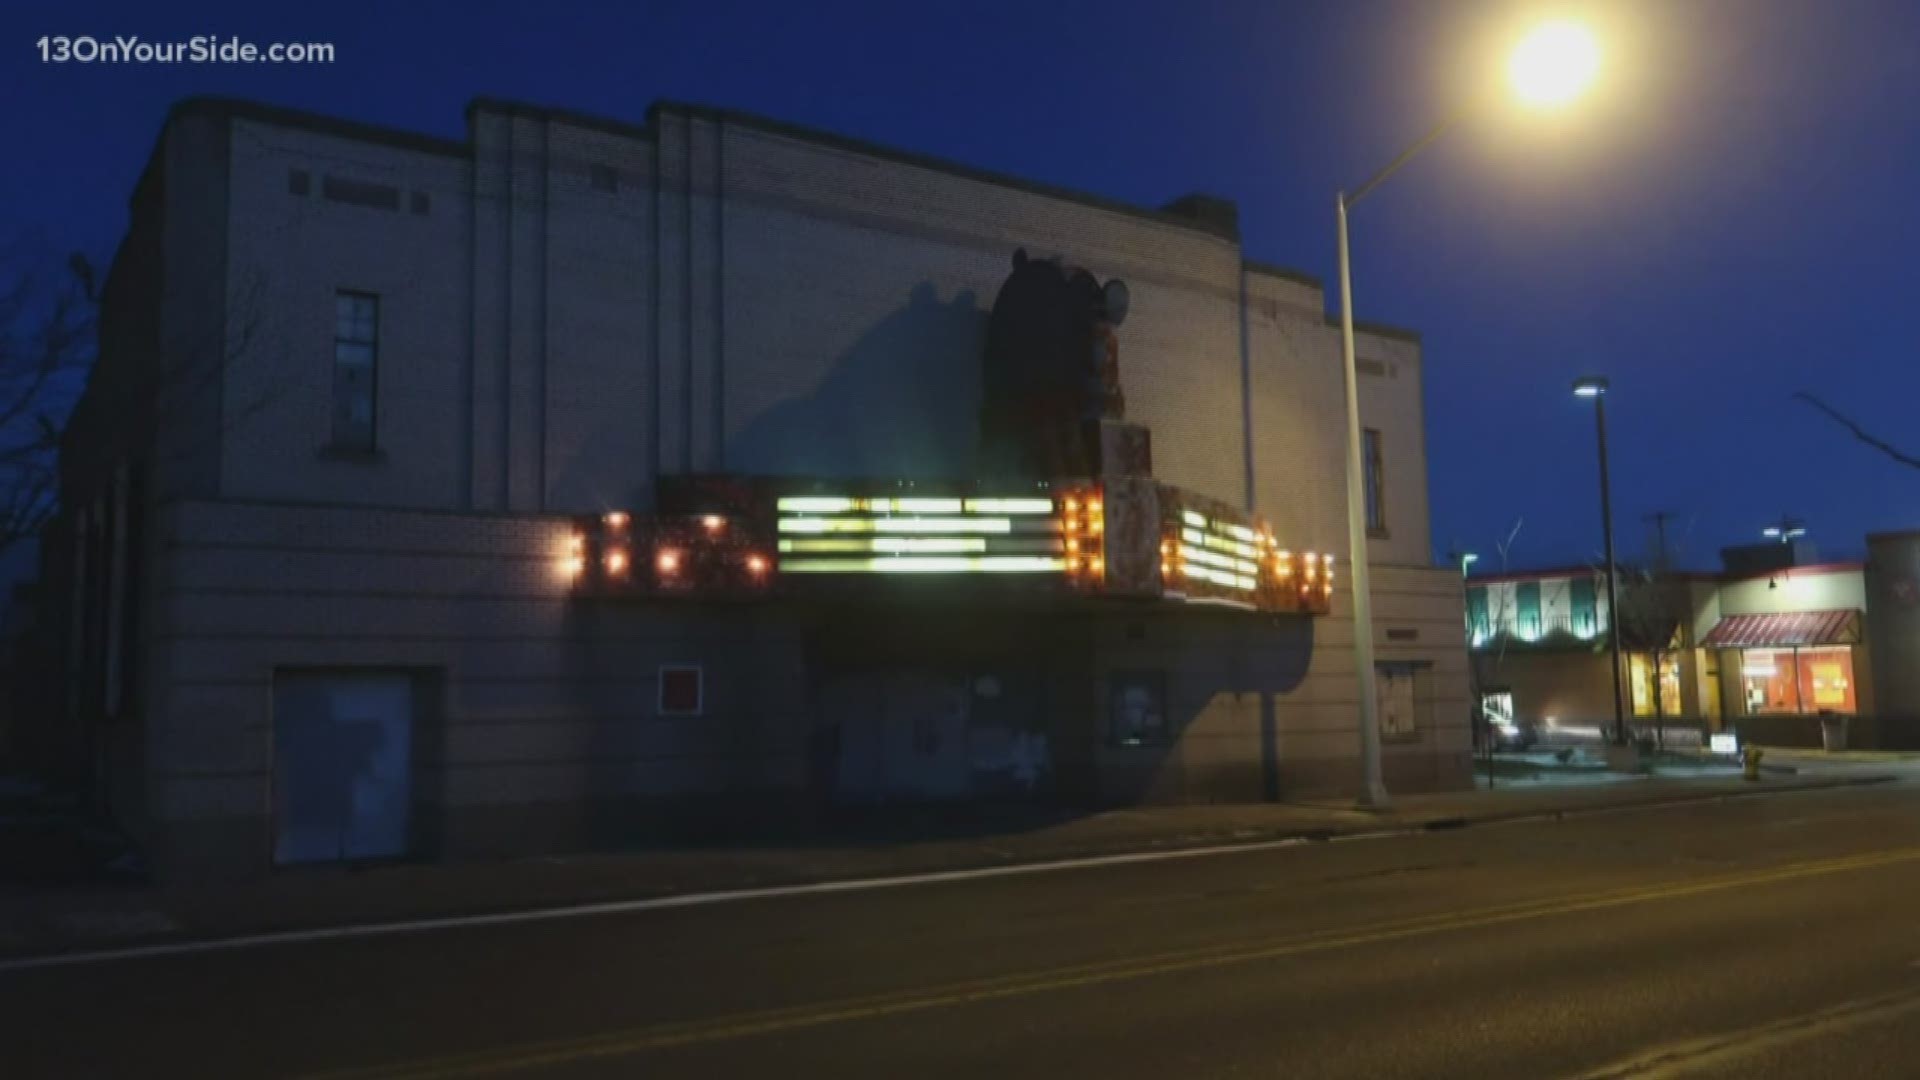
column 1595, row 387
column 1549, row 68
column 1482, row 724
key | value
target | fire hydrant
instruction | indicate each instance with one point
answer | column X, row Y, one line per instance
column 1752, row 758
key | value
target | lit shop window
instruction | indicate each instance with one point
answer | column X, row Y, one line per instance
column 1641, row 677
column 1815, row 679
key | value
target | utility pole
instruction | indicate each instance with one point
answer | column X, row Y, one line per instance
column 1660, row 519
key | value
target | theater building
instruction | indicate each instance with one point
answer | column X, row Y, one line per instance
column 580, row 482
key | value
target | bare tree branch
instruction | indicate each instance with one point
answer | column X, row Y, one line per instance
column 154, row 405
column 48, row 328
column 1859, row 432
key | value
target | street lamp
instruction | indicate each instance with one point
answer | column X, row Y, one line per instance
column 1553, row 64
column 1595, row 387
column 1787, row 531
column 1549, row 67
column 1467, row 560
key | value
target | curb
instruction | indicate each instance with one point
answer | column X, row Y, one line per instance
column 1682, row 798
column 1177, row 847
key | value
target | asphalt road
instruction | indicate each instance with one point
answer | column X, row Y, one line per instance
column 1763, row 938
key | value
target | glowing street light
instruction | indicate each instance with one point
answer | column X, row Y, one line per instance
column 1550, row 67
column 1787, row 531
column 1554, row 64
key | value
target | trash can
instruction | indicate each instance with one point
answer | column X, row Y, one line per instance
column 1833, row 731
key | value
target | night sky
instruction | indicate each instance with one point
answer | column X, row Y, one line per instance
column 1731, row 218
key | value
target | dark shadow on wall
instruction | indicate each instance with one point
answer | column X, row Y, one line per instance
column 608, row 469
column 1211, row 659
column 903, row 401
column 1054, row 675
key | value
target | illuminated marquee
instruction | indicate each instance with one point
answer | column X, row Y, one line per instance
column 834, row 534
column 1083, row 536
column 1213, row 552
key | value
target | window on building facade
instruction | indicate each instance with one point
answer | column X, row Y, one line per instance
column 356, row 361
column 1394, row 687
column 683, row 690
column 1374, row 469
column 1642, row 677
column 1526, row 610
column 1479, row 616
column 1581, row 607
column 1808, row 680
column 1496, row 707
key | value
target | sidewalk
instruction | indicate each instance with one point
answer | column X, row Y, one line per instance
column 1794, row 755
column 37, row 923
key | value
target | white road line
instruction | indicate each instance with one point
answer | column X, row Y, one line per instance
column 731, row 896
column 658, row 903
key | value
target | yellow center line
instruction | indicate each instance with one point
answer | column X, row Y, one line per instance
column 742, row 1025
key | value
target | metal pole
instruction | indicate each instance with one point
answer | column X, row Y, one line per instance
column 1478, row 721
column 1373, row 790
column 1613, row 592
column 1799, row 705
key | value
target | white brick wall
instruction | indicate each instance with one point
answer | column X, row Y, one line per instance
column 857, row 296
column 478, row 599
column 287, row 257
column 749, row 301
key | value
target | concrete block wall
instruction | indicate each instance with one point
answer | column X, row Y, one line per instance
column 197, row 310
column 1892, row 583
column 752, row 300
column 1268, row 707
column 599, row 392
column 287, row 256
column 857, row 295
column 1391, row 402
column 545, row 704
column 1573, row 687
column 1297, row 415
column 1297, row 410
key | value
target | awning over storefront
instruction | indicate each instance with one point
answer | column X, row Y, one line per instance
column 1785, row 630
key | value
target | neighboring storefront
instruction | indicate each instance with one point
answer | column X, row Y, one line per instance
column 1701, row 652
column 1792, row 663
column 1791, row 642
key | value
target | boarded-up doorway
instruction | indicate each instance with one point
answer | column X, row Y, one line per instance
column 342, row 765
